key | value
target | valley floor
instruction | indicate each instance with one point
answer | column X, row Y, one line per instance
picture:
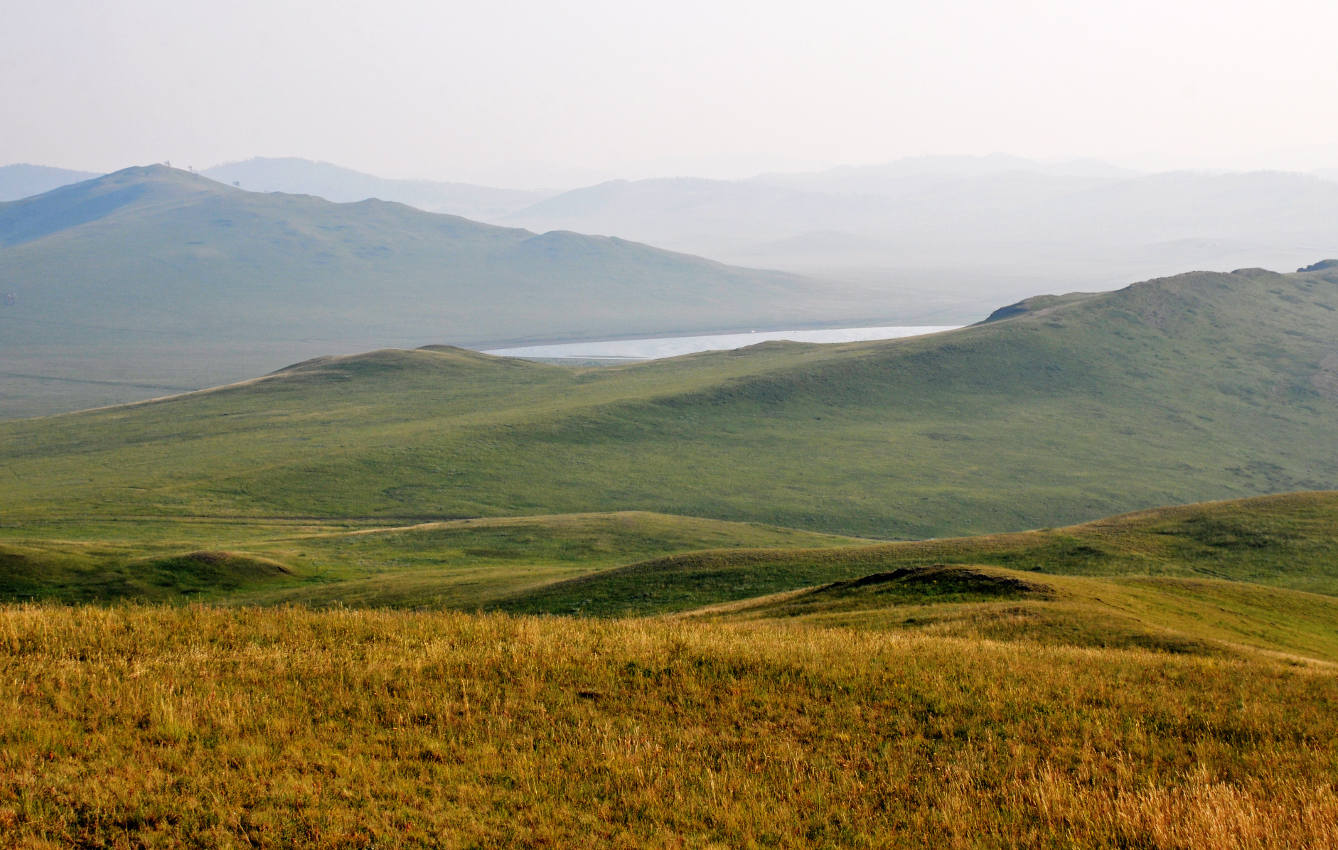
column 204, row 726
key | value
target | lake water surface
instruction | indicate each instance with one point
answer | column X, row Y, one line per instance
column 656, row 347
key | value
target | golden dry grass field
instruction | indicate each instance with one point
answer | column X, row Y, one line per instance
column 134, row 726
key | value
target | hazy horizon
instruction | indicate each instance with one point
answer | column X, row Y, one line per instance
column 553, row 188
column 527, row 95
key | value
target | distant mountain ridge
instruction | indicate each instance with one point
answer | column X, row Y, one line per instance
column 868, row 178
column 297, row 176
column 992, row 208
column 981, row 229
column 956, row 235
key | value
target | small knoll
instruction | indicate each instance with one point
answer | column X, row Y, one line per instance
column 906, row 586
column 938, row 581
column 1162, row 614
column 211, row 570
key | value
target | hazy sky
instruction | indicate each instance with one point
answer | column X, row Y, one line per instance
column 555, row 92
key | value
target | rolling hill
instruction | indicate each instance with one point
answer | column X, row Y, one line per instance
column 1288, row 541
column 1220, row 578
column 151, row 280
column 466, row 563
column 1202, row 386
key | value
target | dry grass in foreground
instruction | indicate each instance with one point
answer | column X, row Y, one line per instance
column 210, row 727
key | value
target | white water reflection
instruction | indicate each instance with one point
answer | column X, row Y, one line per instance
column 653, row 348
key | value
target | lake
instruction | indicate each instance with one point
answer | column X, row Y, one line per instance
column 656, row 347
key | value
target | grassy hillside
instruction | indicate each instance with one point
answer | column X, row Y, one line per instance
column 465, row 563
column 1204, row 579
column 1288, row 541
column 154, row 275
column 153, row 726
column 1197, row 387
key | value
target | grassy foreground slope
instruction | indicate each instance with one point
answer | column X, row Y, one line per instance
column 1167, row 392
column 155, row 726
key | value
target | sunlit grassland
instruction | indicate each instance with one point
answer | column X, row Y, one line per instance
column 132, row 726
column 1207, row 578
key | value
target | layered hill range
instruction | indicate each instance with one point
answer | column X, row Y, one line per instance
column 734, row 485
column 1059, row 409
column 948, row 237
column 151, row 280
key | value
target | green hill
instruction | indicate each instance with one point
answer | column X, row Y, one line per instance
column 1203, row 386
column 1206, row 578
column 1215, row 578
column 159, row 277
column 1287, row 541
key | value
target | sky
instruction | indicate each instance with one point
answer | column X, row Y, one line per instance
column 564, row 92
